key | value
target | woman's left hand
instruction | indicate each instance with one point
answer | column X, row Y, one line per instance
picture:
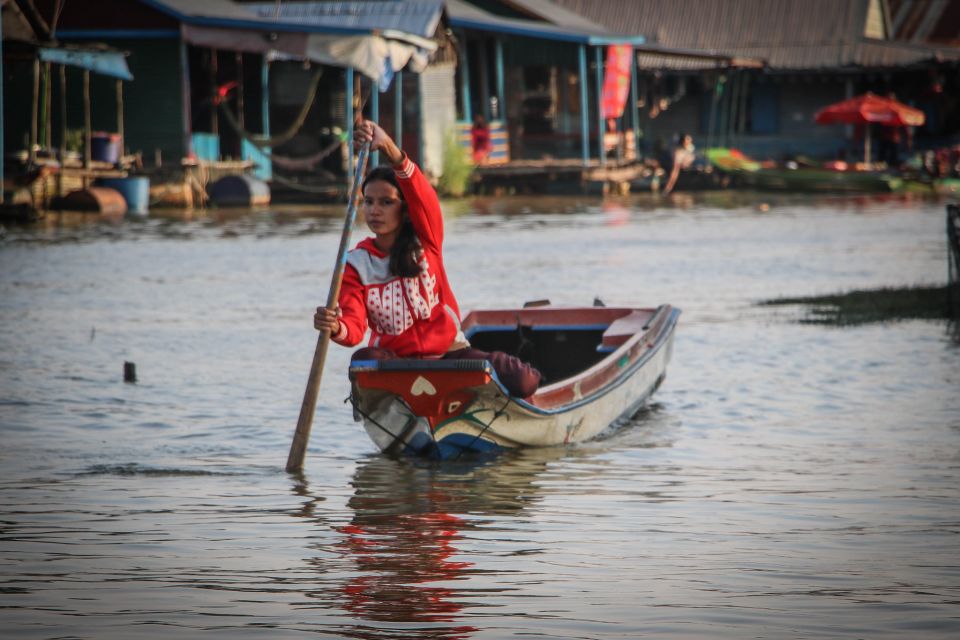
column 369, row 131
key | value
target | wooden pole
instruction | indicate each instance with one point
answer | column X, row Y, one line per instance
column 374, row 115
column 47, row 108
column 214, row 114
column 32, row 152
column 87, row 129
column 240, row 105
column 398, row 107
column 348, row 92
column 584, row 125
column 120, row 119
column 298, row 448
column 63, row 114
column 601, row 128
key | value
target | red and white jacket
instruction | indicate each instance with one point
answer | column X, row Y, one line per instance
column 414, row 317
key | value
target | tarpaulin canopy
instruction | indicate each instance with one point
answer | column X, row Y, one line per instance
column 375, row 38
column 870, row 108
column 108, row 63
column 371, row 55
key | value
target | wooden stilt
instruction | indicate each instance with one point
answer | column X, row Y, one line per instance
column 63, row 113
column 87, row 130
column 32, row 152
column 120, row 119
column 240, row 105
column 47, row 142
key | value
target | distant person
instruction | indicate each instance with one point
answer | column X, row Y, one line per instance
column 395, row 284
column 889, row 147
column 480, row 140
column 683, row 157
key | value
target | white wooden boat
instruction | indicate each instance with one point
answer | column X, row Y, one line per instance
column 601, row 364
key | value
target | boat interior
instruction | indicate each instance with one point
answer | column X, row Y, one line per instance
column 559, row 350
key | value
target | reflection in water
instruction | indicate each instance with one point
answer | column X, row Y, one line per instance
column 408, row 517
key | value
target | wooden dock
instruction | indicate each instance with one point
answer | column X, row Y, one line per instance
column 561, row 176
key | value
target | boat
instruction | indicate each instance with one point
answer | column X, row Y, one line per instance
column 745, row 172
column 600, row 365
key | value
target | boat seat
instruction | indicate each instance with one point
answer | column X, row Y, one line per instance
column 622, row 329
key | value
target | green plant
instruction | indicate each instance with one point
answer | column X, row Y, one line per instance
column 73, row 141
column 457, row 167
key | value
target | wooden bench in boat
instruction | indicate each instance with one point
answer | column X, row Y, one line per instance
column 624, row 328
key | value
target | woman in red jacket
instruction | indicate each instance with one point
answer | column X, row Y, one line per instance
column 395, row 283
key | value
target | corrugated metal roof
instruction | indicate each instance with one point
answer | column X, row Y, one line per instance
column 926, row 21
column 553, row 13
column 788, row 34
column 418, row 17
column 225, row 13
column 468, row 16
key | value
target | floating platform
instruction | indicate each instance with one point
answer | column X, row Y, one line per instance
column 559, row 176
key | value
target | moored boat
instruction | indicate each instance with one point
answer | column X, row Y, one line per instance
column 600, row 365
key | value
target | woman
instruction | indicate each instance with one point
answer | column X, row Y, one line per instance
column 683, row 157
column 395, row 283
column 480, row 140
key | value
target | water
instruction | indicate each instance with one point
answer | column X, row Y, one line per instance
column 789, row 480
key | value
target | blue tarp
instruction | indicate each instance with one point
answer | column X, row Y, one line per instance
column 108, row 63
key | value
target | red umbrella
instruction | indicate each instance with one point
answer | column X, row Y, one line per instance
column 870, row 109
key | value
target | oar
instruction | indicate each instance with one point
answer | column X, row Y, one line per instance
column 298, row 448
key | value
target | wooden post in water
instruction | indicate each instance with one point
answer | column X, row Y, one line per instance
column 63, row 115
column 298, row 448
column 47, row 106
column 120, row 119
column 32, row 152
column 87, row 130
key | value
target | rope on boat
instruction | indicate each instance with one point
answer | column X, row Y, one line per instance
column 413, row 421
column 496, row 415
column 391, row 448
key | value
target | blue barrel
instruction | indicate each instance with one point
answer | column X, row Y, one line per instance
column 105, row 147
column 239, row 191
column 134, row 189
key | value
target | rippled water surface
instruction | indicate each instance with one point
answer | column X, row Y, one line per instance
column 789, row 480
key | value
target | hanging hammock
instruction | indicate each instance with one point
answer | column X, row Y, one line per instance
column 266, row 142
column 309, row 162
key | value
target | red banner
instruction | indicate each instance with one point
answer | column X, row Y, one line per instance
column 616, row 81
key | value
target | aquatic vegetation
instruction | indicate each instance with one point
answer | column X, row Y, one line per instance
column 878, row 305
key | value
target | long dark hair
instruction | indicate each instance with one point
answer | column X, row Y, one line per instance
column 406, row 249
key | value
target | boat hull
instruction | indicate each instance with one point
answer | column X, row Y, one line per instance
column 444, row 408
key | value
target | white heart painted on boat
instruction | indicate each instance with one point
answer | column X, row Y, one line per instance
column 422, row 386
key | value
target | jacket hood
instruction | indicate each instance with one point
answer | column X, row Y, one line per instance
column 367, row 244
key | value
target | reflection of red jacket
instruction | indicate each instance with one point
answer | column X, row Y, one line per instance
column 414, row 317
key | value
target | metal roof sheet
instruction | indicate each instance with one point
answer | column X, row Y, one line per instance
column 106, row 62
column 787, row 34
column 418, row 17
column 225, row 13
column 468, row 16
column 926, row 21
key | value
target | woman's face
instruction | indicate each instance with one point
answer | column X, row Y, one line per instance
column 382, row 208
